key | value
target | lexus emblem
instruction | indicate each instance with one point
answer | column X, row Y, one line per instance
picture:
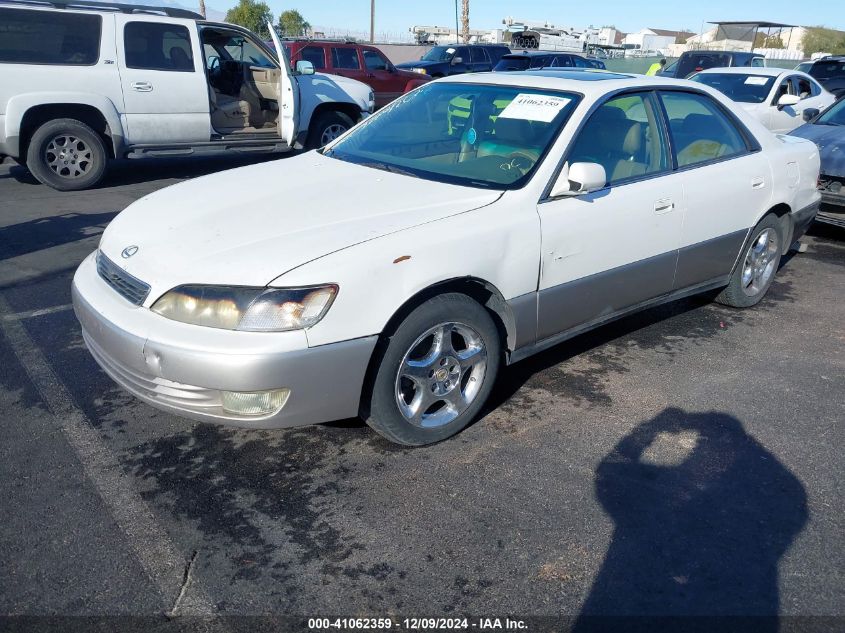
column 129, row 251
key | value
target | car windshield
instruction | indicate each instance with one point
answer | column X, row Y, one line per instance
column 439, row 54
column 739, row 87
column 512, row 63
column 467, row 134
column 834, row 115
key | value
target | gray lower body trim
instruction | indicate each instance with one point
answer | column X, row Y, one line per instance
column 524, row 311
column 568, row 305
column 551, row 341
column 708, row 260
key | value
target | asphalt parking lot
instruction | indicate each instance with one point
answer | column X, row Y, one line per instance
column 684, row 461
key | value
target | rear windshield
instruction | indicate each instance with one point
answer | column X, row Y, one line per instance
column 744, row 88
column 49, row 37
column 697, row 62
column 513, row 63
column 828, row 69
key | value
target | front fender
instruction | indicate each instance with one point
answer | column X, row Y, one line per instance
column 498, row 244
column 18, row 106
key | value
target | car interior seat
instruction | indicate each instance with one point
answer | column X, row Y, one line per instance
column 696, row 139
column 179, row 59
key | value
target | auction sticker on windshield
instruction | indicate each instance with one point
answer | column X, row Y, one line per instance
column 756, row 80
column 533, row 107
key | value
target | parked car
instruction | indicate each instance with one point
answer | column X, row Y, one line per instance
column 828, row 71
column 777, row 97
column 543, row 59
column 82, row 84
column 827, row 130
column 695, row 61
column 356, row 61
column 399, row 272
column 442, row 61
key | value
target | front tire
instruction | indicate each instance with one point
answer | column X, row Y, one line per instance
column 327, row 127
column 436, row 372
column 67, row 155
column 756, row 268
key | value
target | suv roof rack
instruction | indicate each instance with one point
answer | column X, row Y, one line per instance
column 110, row 6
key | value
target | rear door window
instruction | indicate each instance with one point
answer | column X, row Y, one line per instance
column 564, row 61
column 346, row 58
column 701, row 131
column 49, row 37
column 314, row 54
column 158, row 46
column 477, row 55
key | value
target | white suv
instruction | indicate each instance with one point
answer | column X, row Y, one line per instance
column 82, row 82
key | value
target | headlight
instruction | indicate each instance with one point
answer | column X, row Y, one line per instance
column 419, row 70
column 247, row 309
column 371, row 101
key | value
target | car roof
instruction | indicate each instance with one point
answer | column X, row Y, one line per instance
column 587, row 81
column 748, row 70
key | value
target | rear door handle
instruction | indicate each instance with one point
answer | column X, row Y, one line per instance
column 664, row 205
column 142, row 86
column 758, row 183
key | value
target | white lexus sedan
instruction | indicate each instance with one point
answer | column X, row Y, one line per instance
column 470, row 224
column 777, row 97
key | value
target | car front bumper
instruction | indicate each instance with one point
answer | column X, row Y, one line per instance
column 183, row 369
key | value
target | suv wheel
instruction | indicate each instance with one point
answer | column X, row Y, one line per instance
column 67, row 155
column 436, row 371
column 327, row 127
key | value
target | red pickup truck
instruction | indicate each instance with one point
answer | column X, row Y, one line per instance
column 356, row 61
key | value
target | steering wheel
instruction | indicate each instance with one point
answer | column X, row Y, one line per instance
column 519, row 161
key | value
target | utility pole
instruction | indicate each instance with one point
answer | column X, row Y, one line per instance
column 372, row 21
column 465, row 20
column 457, row 28
column 202, row 8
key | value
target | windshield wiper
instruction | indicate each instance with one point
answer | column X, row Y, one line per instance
column 387, row 167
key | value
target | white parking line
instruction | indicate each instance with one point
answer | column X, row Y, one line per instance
column 28, row 314
column 152, row 547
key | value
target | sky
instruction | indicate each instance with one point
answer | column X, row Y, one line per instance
column 398, row 15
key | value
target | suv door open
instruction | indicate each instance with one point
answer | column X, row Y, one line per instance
column 288, row 123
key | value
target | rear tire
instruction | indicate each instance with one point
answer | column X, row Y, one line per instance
column 326, row 128
column 67, row 155
column 757, row 265
column 435, row 372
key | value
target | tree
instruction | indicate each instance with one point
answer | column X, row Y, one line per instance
column 292, row 24
column 819, row 39
column 253, row 15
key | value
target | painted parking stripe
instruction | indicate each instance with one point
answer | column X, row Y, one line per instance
column 166, row 567
column 29, row 314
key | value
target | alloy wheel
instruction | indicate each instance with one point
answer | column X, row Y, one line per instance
column 441, row 374
column 68, row 156
column 760, row 261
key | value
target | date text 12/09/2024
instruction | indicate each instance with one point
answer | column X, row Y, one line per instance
column 418, row 624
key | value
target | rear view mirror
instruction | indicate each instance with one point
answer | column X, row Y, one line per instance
column 810, row 113
column 787, row 100
column 304, row 68
column 579, row 179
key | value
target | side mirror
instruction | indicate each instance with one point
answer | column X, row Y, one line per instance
column 810, row 113
column 304, row 68
column 788, row 100
column 457, row 60
column 579, row 179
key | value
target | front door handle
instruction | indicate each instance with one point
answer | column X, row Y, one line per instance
column 758, row 183
column 142, row 86
column 664, row 205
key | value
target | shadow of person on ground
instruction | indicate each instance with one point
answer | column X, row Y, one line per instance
column 702, row 514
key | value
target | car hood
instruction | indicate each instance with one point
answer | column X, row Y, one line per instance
column 248, row 226
column 831, row 142
column 419, row 64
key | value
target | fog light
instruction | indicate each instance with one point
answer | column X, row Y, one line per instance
column 255, row 402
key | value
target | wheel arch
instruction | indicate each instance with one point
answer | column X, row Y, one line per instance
column 25, row 113
column 480, row 290
column 349, row 109
column 787, row 229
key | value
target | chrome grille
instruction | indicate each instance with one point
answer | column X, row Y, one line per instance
column 130, row 288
